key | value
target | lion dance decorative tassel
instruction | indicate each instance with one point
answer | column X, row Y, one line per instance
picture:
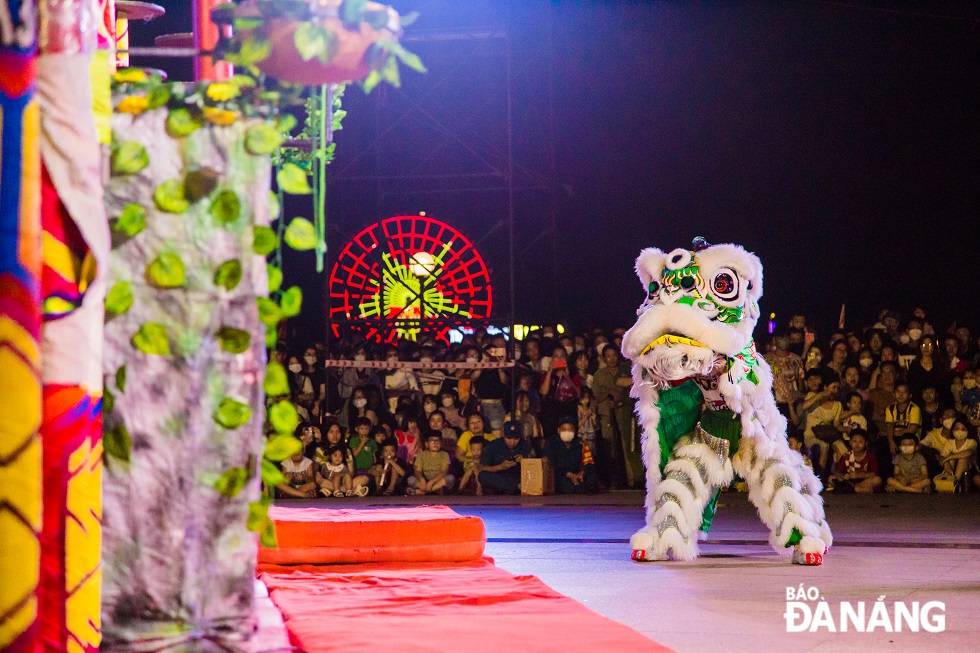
column 707, row 410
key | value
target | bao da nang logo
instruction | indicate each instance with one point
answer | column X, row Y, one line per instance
column 807, row 611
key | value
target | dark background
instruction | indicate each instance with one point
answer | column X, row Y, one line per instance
column 838, row 140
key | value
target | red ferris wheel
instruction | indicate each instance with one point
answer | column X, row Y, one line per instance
column 406, row 274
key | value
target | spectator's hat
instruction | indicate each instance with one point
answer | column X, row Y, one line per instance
column 513, row 430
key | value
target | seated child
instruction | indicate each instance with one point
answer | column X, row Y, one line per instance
column 960, row 455
column 363, row 445
column 390, row 470
column 471, row 464
column 796, row 444
column 858, row 469
column 911, row 474
column 300, row 483
column 335, row 476
column 431, row 468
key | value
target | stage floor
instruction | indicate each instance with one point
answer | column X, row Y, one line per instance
column 904, row 548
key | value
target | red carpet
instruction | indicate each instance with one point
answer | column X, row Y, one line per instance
column 441, row 606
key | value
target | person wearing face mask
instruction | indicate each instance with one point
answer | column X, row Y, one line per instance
column 969, row 397
column 961, row 454
column 911, row 474
column 312, row 378
column 357, row 406
column 935, row 445
column 491, row 386
column 354, row 377
column 903, row 416
column 571, row 459
column 449, row 405
column 431, row 380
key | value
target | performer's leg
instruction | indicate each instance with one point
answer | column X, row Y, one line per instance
column 787, row 496
column 691, row 478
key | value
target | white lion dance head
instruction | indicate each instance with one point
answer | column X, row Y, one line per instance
column 693, row 335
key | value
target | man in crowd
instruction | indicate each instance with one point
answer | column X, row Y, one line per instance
column 500, row 464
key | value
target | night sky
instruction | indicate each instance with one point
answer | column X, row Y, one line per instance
column 839, row 141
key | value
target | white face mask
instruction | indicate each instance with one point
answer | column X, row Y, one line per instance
column 360, row 403
column 566, row 436
column 392, row 359
column 959, row 434
column 310, row 360
column 360, row 357
column 904, row 338
column 866, row 362
column 425, row 360
column 948, row 423
column 517, row 354
column 908, row 449
column 447, row 401
column 600, row 347
column 295, row 368
column 429, row 408
column 471, row 359
column 568, row 349
column 915, row 334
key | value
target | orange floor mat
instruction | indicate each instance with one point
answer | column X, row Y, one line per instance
column 463, row 607
column 412, row 534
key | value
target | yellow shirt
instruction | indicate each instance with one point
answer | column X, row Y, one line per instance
column 464, row 441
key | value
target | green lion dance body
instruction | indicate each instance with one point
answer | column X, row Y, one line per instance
column 705, row 402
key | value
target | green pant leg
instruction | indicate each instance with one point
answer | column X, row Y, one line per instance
column 709, row 511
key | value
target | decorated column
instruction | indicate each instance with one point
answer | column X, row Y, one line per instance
column 184, row 363
column 20, row 331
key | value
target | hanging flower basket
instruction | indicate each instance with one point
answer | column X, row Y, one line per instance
column 313, row 42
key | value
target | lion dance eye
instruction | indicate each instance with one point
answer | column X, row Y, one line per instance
column 653, row 289
column 725, row 285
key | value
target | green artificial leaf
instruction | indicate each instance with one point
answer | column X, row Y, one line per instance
column 152, row 339
column 351, row 12
column 300, row 235
column 241, row 81
column 121, row 378
column 376, row 18
column 280, row 447
column 232, row 340
column 169, row 197
column 291, row 302
column 232, row 482
column 409, row 18
column 132, row 220
column 166, row 271
column 271, row 474
column 200, row 182
column 286, row 123
column 182, row 122
column 226, row 207
column 254, row 49
column 284, row 420
column 262, row 138
column 117, row 443
column 269, row 312
column 275, row 208
column 129, row 158
column 158, row 97
column 267, row 537
column 275, row 277
column 314, row 42
column 229, row 274
column 293, row 179
column 266, row 241
column 119, row 299
column 271, row 337
column 389, row 72
column 245, row 24
column 232, row 413
column 258, row 514
column 409, row 59
column 275, row 383
column 108, row 401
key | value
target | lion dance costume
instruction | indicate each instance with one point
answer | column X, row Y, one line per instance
column 705, row 402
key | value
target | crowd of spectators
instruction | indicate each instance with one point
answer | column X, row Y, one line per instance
column 892, row 407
